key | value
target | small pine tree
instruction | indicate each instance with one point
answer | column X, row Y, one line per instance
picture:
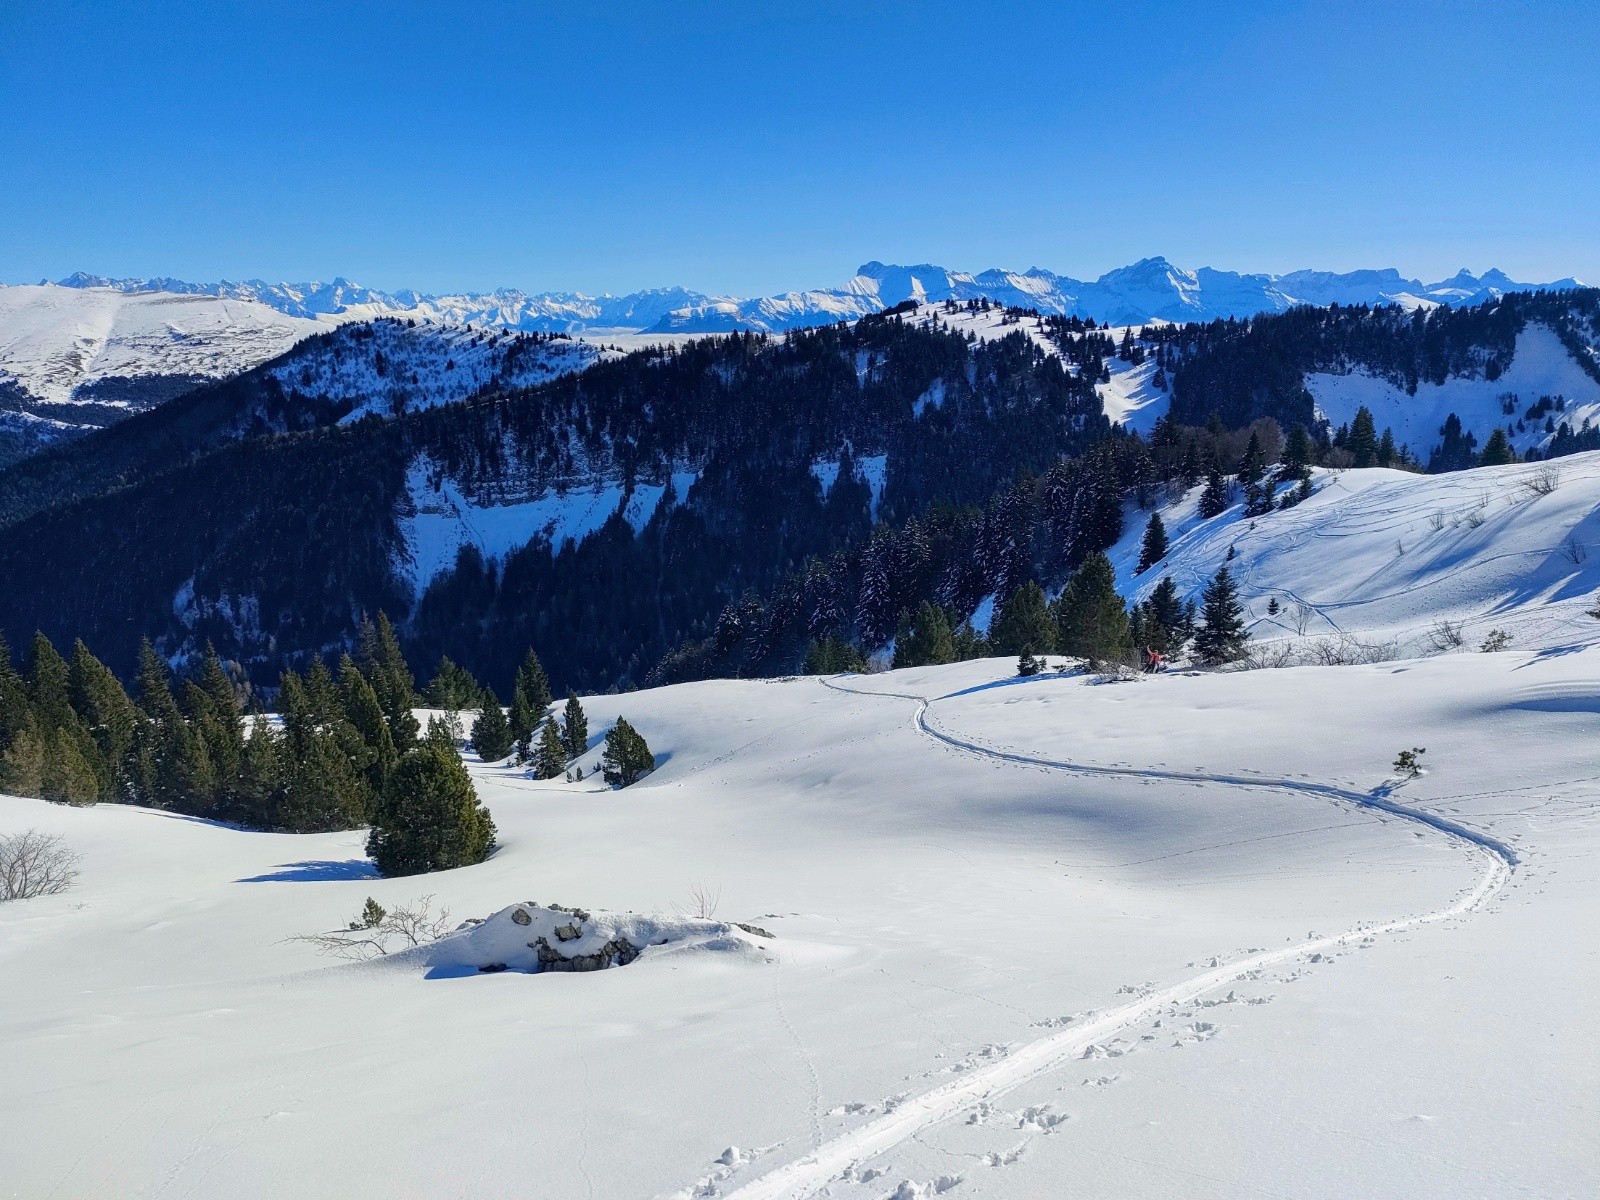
column 627, row 758
column 429, row 818
column 1214, row 500
column 1363, row 439
column 1222, row 636
column 533, row 686
column 1297, row 456
column 574, row 728
column 521, row 722
column 1028, row 665
column 1497, row 451
column 491, row 733
column 550, row 759
column 834, row 656
column 1253, row 464
column 1154, row 547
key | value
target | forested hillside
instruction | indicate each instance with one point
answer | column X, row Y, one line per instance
column 786, row 450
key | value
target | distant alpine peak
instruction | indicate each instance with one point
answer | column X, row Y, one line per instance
column 1151, row 289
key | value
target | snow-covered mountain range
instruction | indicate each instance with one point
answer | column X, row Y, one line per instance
column 1149, row 290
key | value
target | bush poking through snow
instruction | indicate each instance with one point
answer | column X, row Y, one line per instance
column 35, row 864
column 627, row 758
column 1408, row 763
column 1445, row 636
column 375, row 929
column 429, row 818
column 1497, row 640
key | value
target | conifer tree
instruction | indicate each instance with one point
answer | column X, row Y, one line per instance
column 322, row 791
column 533, row 686
column 1253, row 463
column 627, row 758
column 574, row 728
column 1297, row 456
column 550, row 760
column 214, row 711
column 1024, row 623
column 1154, row 547
column 968, row 643
column 15, row 708
column 1166, row 618
column 1214, row 500
column 111, row 718
column 491, row 732
column 1497, row 451
column 1222, row 636
column 67, row 777
column 1363, row 439
column 521, row 722
column 365, row 716
column 257, row 799
column 429, row 818
column 22, row 764
column 48, row 687
column 1091, row 619
column 386, row 669
column 834, row 656
column 453, row 688
column 925, row 639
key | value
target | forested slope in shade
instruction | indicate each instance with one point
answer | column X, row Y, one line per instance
column 787, row 450
column 1237, row 371
column 382, row 368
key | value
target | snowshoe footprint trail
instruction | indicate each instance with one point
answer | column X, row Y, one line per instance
column 807, row 1174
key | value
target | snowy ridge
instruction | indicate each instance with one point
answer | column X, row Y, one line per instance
column 56, row 343
column 1386, row 556
column 1148, row 290
column 389, row 367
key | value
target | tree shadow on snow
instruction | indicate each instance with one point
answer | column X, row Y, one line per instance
column 317, row 871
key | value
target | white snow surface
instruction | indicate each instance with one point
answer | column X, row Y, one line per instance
column 1365, row 556
column 54, row 339
column 1176, row 936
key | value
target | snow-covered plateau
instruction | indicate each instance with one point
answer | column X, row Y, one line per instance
column 1186, row 934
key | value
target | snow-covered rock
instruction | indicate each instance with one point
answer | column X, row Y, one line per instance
column 536, row 938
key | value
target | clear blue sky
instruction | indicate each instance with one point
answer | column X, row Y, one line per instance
column 739, row 148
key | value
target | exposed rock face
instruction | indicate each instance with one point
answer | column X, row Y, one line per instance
column 618, row 951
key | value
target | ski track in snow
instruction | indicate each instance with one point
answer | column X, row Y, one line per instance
column 826, row 1162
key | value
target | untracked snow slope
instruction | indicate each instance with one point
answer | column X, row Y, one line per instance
column 55, row 340
column 1276, row 972
column 1387, row 555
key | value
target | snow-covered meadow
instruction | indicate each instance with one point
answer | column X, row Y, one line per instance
column 1180, row 935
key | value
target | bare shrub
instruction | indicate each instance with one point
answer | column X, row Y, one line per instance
column 1267, row 656
column 1446, row 635
column 1300, row 614
column 1543, row 481
column 1436, row 520
column 35, row 864
column 375, row 929
column 1345, row 650
column 703, row 901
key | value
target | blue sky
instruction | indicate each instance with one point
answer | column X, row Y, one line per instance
column 750, row 148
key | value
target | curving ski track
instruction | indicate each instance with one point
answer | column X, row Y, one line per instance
column 804, row 1176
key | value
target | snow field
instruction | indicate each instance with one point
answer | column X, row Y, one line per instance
column 936, row 912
